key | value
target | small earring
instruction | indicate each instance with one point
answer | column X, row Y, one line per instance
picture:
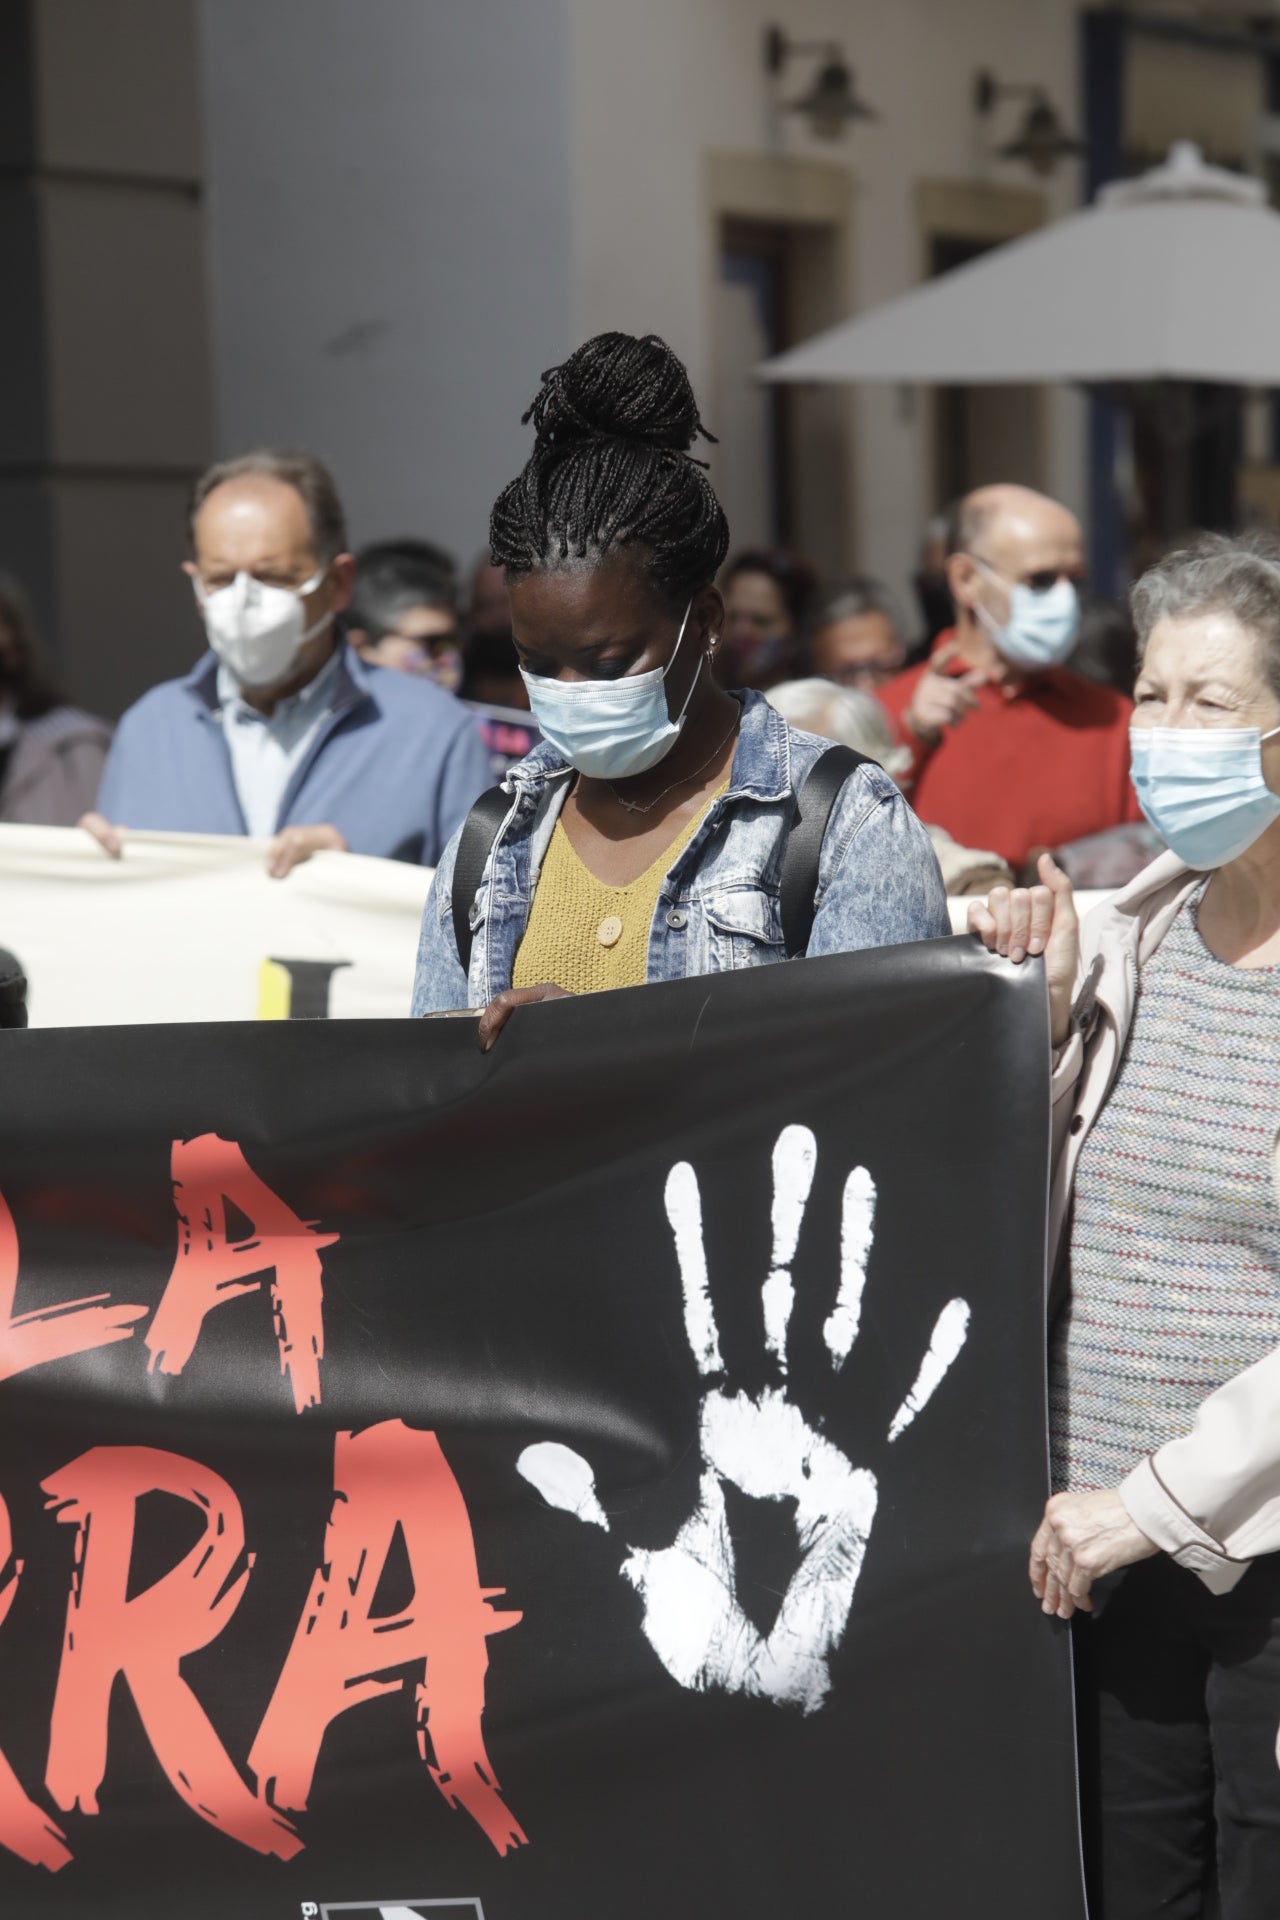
column 713, row 641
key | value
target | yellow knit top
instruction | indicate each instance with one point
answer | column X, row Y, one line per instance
column 585, row 936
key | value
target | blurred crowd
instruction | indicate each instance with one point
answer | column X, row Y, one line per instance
column 999, row 702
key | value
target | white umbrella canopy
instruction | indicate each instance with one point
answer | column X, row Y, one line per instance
column 1174, row 276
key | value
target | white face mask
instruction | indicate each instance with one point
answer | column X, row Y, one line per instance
column 1203, row 789
column 1042, row 628
column 611, row 729
column 257, row 630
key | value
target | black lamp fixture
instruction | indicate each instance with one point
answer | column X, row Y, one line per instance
column 832, row 101
column 1042, row 140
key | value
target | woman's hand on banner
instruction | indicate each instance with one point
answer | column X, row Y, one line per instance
column 109, row 838
column 503, row 1005
column 764, row 1446
column 1022, row 922
column 1082, row 1537
column 293, row 845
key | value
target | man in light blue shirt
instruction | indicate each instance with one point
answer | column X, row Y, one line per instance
column 281, row 731
column 267, row 748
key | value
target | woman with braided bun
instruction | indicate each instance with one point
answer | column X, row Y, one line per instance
column 644, row 839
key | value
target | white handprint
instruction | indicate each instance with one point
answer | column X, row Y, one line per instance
column 764, row 1446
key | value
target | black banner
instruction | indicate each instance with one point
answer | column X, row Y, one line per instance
column 590, row 1481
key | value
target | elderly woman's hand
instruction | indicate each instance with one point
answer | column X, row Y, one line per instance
column 1019, row 922
column 1082, row 1537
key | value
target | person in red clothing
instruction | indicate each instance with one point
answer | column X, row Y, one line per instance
column 1010, row 750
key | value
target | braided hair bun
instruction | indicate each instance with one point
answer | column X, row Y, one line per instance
column 611, row 467
column 618, row 387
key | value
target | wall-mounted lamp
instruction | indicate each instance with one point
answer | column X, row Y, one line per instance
column 1042, row 140
column 832, row 100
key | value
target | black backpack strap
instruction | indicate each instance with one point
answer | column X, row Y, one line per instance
column 479, row 831
column 814, row 804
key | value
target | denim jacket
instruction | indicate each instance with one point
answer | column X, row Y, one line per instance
column 878, row 879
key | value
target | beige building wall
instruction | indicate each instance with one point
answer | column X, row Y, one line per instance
column 659, row 89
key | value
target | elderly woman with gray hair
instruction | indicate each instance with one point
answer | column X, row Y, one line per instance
column 1165, row 1223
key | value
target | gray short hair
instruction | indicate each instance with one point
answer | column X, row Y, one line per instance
column 846, row 714
column 1235, row 574
column 310, row 479
column 850, row 599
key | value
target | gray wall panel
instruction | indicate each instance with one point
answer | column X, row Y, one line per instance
column 24, row 423
column 128, row 618
column 389, row 227
column 118, row 87
column 17, row 83
column 125, row 341
column 27, row 552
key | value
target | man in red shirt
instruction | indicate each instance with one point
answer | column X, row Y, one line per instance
column 1009, row 750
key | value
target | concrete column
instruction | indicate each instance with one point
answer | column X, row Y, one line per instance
column 104, row 383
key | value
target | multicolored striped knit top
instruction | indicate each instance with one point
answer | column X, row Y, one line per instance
column 1175, row 1238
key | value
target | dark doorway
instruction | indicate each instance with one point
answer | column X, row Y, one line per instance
column 988, row 433
column 782, row 466
column 752, row 308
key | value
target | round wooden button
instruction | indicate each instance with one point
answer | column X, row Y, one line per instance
column 609, row 932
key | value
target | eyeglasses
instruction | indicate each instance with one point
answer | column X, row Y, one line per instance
column 1043, row 580
column 431, row 643
column 868, row 673
column 269, row 577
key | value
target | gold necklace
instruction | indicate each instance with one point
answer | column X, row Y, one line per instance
column 634, row 806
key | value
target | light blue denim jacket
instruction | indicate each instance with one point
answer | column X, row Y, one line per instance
column 878, row 879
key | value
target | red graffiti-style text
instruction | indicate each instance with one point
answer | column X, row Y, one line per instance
column 392, row 1486
column 389, row 1481
column 386, row 1477
column 145, row 1638
column 211, row 1268
column 51, row 1333
column 24, row 1829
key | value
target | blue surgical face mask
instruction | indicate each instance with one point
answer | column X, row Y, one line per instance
column 1203, row 790
column 1042, row 627
column 610, row 729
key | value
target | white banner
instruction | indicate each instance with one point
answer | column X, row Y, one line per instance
column 189, row 927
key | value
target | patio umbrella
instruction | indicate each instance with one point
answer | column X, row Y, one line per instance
column 1173, row 276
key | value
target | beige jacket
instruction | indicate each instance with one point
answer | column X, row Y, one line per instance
column 1212, row 1498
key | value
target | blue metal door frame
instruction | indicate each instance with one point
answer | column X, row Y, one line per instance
column 1104, row 36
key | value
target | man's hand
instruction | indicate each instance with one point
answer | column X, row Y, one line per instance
column 503, row 1005
column 296, row 844
column 941, row 700
column 109, row 838
column 1019, row 921
column 1082, row 1537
